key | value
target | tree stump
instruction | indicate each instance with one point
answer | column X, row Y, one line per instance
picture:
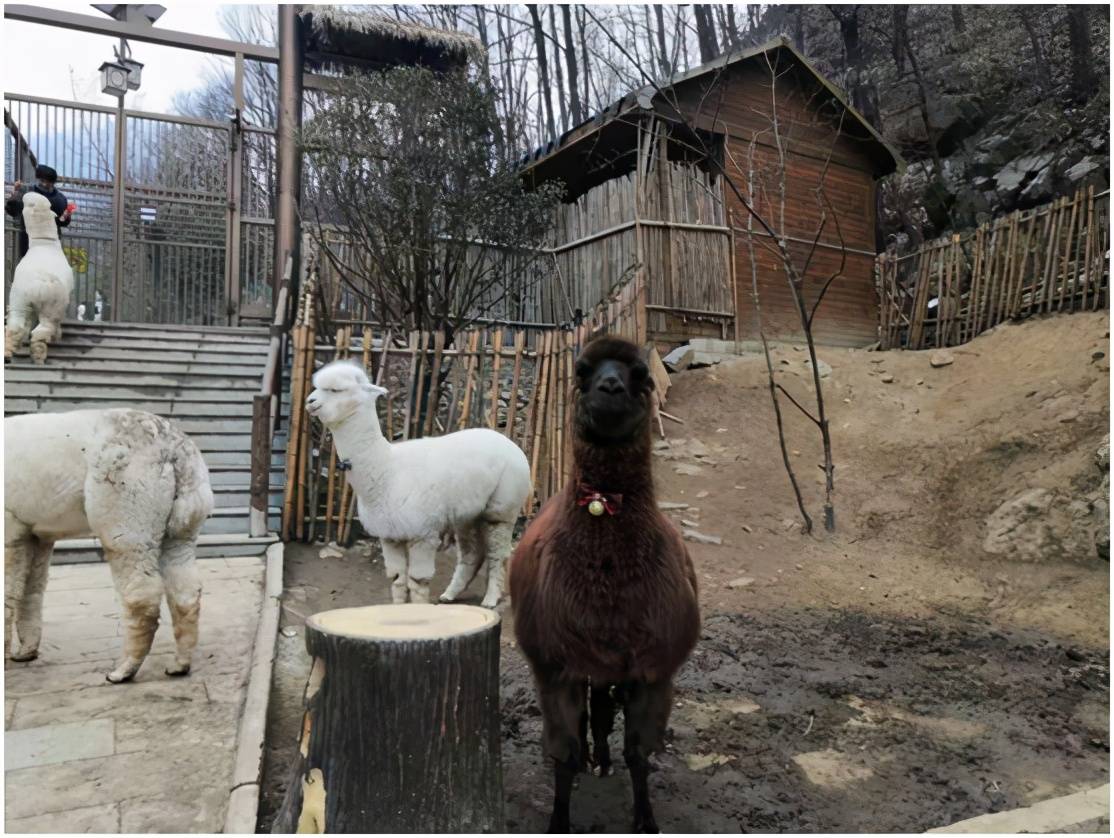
column 401, row 731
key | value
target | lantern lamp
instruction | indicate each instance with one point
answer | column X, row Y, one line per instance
column 135, row 72
column 114, row 78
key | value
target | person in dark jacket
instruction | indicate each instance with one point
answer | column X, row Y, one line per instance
column 45, row 178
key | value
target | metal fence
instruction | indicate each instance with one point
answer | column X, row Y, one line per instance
column 174, row 220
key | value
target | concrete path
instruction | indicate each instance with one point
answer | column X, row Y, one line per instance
column 1083, row 812
column 154, row 755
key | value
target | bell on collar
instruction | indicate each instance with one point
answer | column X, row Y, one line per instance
column 596, row 508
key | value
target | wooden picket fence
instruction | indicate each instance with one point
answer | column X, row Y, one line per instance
column 1053, row 258
column 514, row 380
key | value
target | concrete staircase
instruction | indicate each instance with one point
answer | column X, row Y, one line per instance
column 203, row 378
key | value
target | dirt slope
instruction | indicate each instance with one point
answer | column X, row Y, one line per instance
column 922, row 461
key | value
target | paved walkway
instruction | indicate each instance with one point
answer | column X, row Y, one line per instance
column 154, row 755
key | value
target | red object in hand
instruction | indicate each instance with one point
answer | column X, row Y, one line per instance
column 71, row 206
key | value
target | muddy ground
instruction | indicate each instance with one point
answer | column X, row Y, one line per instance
column 892, row 677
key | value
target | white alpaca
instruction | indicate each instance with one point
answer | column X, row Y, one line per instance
column 132, row 479
column 415, row 495
column 42, row 284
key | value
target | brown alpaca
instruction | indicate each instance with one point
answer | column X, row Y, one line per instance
column 603, row 588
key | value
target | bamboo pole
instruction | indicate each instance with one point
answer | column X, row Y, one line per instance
column 976, row 280
column 497, row 360
column 1077, row 267
column 297, row 408
column 1067, row 252
column 303, row 457
column 1052, row 254
column 539, row 416
column 473, row 343
column 434, row 399
column 411, row 383
column 1087, row 250
column 512, row 402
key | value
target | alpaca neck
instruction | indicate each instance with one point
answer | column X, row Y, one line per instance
column 623, row 467
column 359, row 440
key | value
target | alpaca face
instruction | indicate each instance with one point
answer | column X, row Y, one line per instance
column 340, row 390
column 615, row 385
column 38, row 217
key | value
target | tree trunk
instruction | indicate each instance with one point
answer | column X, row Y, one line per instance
column 543, row 69
column 558, row 72
column 1083, row 80
column 705, row 32
column 1044, row 78
column 578, row 114
column 897, row 37
column 401, row 730
column 664, row 65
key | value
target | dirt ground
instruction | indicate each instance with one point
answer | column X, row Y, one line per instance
column 891, row 677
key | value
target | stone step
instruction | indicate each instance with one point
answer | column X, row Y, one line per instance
column 92, row 387
column 137, row 363
column 246, row 333
column 84, row 550
column 111, row 374
column 170, row 407
column 80, row 355
column 79, row 340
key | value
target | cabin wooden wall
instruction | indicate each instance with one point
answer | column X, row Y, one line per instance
column 741, row 103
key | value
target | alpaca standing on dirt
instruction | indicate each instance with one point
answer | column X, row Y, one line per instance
column 42, row 284
column 603, row 588
column 134, row 481
column 414, row 495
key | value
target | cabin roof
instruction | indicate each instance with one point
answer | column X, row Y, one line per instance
column 336, row 37
column 611, row 131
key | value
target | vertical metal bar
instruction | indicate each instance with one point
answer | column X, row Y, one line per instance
column 233, row 281
column 118, row 205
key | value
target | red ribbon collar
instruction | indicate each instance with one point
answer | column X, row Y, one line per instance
column 586, row 495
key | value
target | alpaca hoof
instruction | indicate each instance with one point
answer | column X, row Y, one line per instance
column 121, row 674
column 490, row 602
column 445, row 597
column 178, row 670
column 647, row 826
column 24, row 655
column 604, row 770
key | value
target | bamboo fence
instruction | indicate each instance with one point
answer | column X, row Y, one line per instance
column 517, row 381
column 1053, row 258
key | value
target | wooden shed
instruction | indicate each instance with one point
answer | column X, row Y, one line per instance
column 646, row 197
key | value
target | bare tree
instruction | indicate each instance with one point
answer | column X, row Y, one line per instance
column 543, row 68
column 439, row 227
column 570, row 62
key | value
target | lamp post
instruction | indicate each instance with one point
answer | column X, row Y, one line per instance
column 117, row 78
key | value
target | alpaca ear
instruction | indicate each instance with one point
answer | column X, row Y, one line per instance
column 375, row 390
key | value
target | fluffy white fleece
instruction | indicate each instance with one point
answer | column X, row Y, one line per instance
column 42, row 284
column 413, row 495
column 130, row 478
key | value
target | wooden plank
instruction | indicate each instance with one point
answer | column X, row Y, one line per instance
column 465, row 410
column 539, row 416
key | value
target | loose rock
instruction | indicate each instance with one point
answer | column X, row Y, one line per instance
column 940, row 358
column 701, row 538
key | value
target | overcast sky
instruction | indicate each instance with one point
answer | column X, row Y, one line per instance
column 57, row 63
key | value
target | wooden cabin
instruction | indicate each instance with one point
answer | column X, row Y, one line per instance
column 646, row 197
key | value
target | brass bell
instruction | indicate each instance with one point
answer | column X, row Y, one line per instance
column 596, row 508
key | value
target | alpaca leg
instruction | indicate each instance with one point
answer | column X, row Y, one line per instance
column 395, row 562
column 16, row 330
column 603, row 721
column 135, row 573
column 645, row 714
column 19, row 552
column 423, row 562
column 499, row 538
column 29, row 612
column 469, row 555
column 41, row 335
column 564, row 708
column 183, row 596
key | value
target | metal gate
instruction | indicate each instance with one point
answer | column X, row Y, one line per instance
column 174, row 220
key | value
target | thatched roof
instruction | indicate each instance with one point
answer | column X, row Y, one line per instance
column 336, row 37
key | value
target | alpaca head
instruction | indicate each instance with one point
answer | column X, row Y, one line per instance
column 341, row 389
column 613, row 404
column 38, row 217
